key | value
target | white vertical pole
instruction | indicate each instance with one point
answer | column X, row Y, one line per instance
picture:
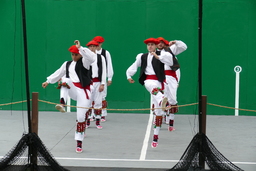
column 68, row 103
column 151, row 112
column 151, row 103
column 237, row 70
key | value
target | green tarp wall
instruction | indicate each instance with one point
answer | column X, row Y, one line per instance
column 229, row 39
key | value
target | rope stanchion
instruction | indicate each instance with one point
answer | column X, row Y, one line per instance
column 191, row 104
column 248, row 110
column 6, row 104
column 116, row 109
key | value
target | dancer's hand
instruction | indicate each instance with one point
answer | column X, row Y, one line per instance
column 45, row 84
column 131, row 80
column 101, row 88
column 155, row 55
column 172, row 43
column 77, row 42
column 109, row 83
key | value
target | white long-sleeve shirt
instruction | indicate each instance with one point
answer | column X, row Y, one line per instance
column 95, row 70
column 88, row 57
column 110, row 71
column 176, row 49
column 164, row 57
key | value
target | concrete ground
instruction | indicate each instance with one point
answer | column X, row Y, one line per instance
column 124, row 141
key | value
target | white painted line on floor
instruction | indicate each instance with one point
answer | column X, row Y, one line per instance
column 143, row 152
column 99, row 159
column 136, row 160
column 243, row 162
column 127, row 160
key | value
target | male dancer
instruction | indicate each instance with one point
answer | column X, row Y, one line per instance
column 172, row 76
column 78, row 70
column 110, row 73
column 99, row 82
column 152, row 77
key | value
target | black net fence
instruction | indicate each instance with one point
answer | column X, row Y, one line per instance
column 30, row 154
column 200, row 144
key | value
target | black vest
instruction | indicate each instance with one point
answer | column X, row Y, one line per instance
column 99, row 63
column 83, row 74
column 103, row 53
column 158, row 67
column 176, row 64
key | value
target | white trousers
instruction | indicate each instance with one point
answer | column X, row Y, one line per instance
column 150, row 85
column 97, row 96
column 171, row 87
column 104, row 95
column 79, row 96
column 104, row 92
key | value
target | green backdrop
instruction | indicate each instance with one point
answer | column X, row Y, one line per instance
column 52, row 26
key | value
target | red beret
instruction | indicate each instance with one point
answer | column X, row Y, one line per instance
column 162, row 39
column 151, row 40
column 93, row 42
column 98, row 39
column 73, row 49
column 166, row 42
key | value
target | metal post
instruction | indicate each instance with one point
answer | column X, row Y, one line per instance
column 200, row 113
column 26, row 72
column 26, row 61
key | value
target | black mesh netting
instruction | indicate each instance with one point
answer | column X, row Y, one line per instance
column 29, row 145
column 214, row 159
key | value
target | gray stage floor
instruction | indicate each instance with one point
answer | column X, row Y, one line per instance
column 124, row 141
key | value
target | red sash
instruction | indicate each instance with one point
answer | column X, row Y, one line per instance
column 171, row 73
column 85, row 88
column 154, row 77
column 96, row 79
